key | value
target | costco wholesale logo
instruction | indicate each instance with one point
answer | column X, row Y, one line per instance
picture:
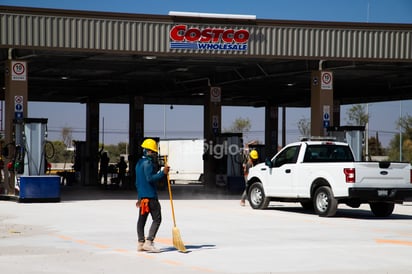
column 183, row 37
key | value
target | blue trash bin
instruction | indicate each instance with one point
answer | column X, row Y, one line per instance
column 39, row 188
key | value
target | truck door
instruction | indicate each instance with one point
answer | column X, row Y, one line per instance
column 281, row 175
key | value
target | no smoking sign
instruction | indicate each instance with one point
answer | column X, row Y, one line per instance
column 215, row 94
column 18, row 71
column 326, row 80
column 18, row 107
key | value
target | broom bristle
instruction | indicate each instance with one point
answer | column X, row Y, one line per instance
column 177, row 240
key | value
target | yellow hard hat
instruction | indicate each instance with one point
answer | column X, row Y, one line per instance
column 254, row 154
column 150, row 144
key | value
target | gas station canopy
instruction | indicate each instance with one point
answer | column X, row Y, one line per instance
column 78, row 56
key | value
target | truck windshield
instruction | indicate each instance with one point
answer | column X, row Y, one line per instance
column 328, row 153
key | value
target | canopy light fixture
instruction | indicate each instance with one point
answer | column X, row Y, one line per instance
column 149, row 57
column 212, row 15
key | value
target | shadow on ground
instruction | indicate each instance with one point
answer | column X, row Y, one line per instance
column 179, row 192
column 351, row 213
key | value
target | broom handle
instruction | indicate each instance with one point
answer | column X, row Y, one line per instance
column 170, row 194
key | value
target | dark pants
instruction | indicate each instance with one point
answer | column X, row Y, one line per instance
column 103, row 174
column 156, row 213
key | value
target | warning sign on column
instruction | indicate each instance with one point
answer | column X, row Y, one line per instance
column 327, row 80
column 18, row 107
column 326, row 116
column 215, row 94
column 215, row 121
column 18, row 71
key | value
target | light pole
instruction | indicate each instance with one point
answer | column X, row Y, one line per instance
column 400, row 131
column 367, row 134
column 164, row 121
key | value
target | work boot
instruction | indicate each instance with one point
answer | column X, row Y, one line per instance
column 140, row 246
column 149, row 247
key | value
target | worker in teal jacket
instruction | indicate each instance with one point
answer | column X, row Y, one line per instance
column 146, row 186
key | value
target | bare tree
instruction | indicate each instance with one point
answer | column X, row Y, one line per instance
column 304, row 127
column 405, row 124
column 67, row 136
column 240, row 125
column 357, row 115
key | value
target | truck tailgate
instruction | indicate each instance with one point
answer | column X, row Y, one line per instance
column 378, row 174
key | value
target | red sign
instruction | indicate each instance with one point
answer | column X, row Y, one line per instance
column 19, row 71
column 182, row 33
column 326, row 80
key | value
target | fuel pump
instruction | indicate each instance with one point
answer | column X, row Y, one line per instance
column 228, row 152
column 30, row 146
column 27, row 152
column 18, row 159
column 34, row 146
column 13, row 152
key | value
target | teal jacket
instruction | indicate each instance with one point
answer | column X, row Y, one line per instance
column 147, row 178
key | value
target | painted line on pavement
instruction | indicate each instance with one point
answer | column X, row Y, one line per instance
column 395, row 242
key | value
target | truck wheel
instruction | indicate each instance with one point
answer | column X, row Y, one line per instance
column 257, row 198
column 324, row 202
column 382, row 209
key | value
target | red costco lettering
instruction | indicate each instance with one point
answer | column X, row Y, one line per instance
column 176, row 33
column 181, row 33
column 228, row 36
column 241, row 36
column 206, row 35
column 192, row 35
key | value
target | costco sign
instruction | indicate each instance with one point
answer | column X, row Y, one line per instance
column 183, row 37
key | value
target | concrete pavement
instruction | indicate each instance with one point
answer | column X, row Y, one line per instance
column 94, row 231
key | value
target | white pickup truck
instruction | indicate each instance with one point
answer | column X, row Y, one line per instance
column 322, row 174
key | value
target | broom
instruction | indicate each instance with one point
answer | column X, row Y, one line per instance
column 177, row 240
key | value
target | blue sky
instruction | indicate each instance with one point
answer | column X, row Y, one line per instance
column 186, row 121
column 322, row 10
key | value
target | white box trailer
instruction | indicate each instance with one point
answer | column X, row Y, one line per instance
column 185, row 158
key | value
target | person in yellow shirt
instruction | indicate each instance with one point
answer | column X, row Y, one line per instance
column 253, row 159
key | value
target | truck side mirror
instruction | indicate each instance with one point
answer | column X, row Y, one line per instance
column 268, row 162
